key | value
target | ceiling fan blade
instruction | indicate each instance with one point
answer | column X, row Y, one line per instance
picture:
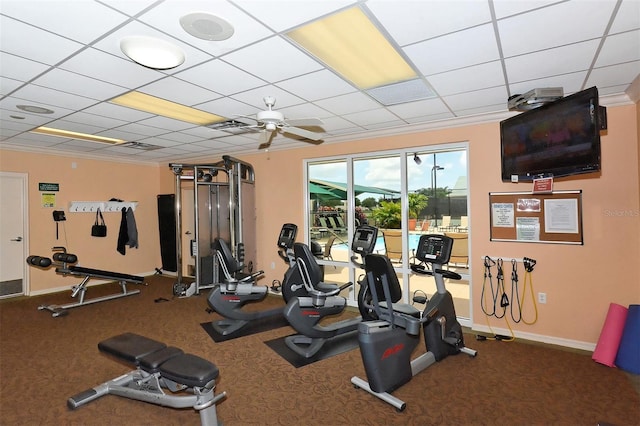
column 305, row 122
column 265, row 139
column 303, row 133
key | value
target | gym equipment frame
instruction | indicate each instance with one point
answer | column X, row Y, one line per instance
column 64, row 265
column 190, row 379
column 224, row 207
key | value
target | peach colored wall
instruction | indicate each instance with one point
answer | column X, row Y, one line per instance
column 91, row 180
column 580, row 281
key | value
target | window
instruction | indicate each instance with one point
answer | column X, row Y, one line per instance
column 404, row 194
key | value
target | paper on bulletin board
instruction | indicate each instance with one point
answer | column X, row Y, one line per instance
column 561, row 216
column 528, row 229
column 48, row 200
column 502, row 215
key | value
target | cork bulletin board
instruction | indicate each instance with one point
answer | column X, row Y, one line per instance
column 537, row 218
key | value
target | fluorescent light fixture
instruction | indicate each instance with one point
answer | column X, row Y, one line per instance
column 353, row 46
column 158, row 106
column 152, row 52
column 49, row 131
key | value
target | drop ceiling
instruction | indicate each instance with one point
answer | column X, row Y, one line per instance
column 472, row 54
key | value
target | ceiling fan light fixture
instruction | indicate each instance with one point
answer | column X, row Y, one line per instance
column 152, row 52
column 206, row 26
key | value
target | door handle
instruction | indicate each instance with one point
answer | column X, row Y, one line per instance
column 188, row 233
column 17, row 239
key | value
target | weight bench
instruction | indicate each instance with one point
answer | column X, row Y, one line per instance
column 158, row 367
column 64, row 265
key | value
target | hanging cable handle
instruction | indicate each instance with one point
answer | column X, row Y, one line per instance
column 515, row 293
column 529, row 264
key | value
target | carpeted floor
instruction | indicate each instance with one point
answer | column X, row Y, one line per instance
column 44, row 360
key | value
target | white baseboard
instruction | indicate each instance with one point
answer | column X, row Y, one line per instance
column 575, row 344
column 90, row 283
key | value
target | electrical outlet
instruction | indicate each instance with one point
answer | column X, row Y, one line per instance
column 542, row 297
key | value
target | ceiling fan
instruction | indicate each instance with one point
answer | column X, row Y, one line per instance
column 272, row 122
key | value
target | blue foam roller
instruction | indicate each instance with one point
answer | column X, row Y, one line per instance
column 628, row 357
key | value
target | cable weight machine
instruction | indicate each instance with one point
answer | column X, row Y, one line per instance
column 223, row 207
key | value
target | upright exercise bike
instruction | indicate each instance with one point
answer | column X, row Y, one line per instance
column 323, row 299
column 386, row 344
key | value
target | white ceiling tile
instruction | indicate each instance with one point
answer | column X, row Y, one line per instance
column 351, row 102
column 166, row 16
column 112, row 69
column 561, row 60
column 66, row 81
column 409, row 21
column 304, row 111
column 220, row 77
column 614, row 74
column 428, row 118
column 256, row 97
column 117, row 112
column 505, row 8
column 334, row 124
column 33, row 43
column 142, row 129
column 477, row 99
column 273, row 60
column 166, row 123
column 33, row 93
column 467, row 79
column 422, row 108
column 227, row 107
column 72, row 21
column 14, row 127
column 317, row 85
column 32, row 120
column 371, row 117
column 75, row 145
column 457, row 50
column 523, row 33
column 8, row 85
column 627, row 18
column 284, row 14
column 179, row 91
column 64, row 124
column 95, row 120
column 11, row 102
column 181, row 137
column 120, row 134
column 620, row 48
column 570, row 83
column 130, row 7
column 19, row 68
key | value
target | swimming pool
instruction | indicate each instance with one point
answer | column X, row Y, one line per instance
column 379, row 247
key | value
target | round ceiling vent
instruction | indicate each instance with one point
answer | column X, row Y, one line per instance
column 35, row 109
column 206, row 26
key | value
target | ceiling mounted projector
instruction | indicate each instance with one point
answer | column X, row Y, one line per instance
column 534, row 98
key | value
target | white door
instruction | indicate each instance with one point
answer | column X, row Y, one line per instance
column 13, row 234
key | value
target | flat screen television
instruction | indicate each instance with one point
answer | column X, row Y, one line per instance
column 561, row 138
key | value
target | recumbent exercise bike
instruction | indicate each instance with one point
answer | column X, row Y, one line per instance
column 322, row 299
column 386, row 345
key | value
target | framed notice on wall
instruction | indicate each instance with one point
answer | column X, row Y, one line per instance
column 555, row 217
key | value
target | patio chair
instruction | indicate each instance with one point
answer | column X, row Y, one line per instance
column 464, row 224
column 446, row 224
column 327, row 248
column 393, row 244
column 460, row 249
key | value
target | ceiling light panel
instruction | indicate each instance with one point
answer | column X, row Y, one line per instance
column 352, row 45
column 49, row 131
column 152, row 52
column 158, row 106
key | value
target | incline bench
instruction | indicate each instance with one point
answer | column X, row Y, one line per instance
column 64, row 265
column 158, row 367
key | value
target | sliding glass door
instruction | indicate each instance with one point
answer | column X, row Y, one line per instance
column 404, row 194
